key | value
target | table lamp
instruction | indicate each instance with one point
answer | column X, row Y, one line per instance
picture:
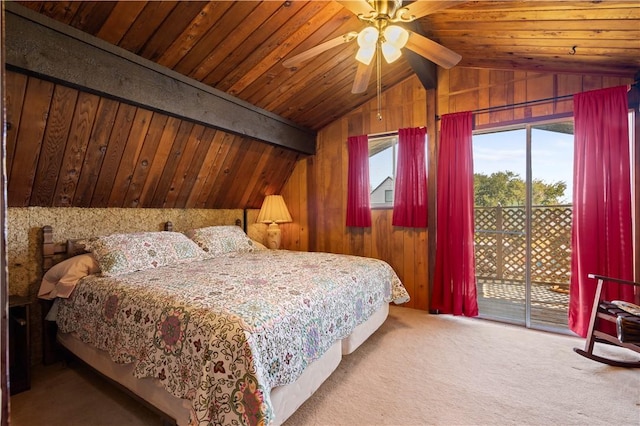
column 273, row 212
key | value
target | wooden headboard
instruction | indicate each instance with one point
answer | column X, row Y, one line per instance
column 51, row 250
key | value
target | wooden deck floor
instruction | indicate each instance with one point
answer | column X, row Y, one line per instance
column 505, row 301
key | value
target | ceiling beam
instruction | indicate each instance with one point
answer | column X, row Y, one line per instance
column 424, row 68
column 38, row 45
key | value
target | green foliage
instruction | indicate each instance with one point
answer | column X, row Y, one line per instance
column 508, row 189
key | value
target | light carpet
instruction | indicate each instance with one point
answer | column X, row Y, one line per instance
column 417, row 369
column 421, row 369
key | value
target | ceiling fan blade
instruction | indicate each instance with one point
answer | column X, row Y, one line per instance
column 316, row 50
column 433, row 51
column 421, row 8
column 357, row 7
column 363, row 74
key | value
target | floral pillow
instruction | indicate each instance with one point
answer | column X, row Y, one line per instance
column 119, row 254
column 216, row 240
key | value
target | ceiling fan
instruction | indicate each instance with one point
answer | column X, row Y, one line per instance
column 382, row 37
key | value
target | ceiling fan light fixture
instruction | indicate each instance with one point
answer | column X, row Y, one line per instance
column 368, row 37
column 396, row 36
column 390, row 52
column 367, row 40
column 366, row 54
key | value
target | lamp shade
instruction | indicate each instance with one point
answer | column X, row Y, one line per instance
column 368, row 37
column 367, row 40
column 274, row 210
column 395, row 38
column 390, row 52
column 366, row 54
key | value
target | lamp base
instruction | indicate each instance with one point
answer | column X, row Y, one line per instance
column 274, row 236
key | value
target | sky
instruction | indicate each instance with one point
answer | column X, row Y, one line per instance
column 380, row 168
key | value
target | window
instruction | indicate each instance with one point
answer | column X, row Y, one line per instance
column 382, row 169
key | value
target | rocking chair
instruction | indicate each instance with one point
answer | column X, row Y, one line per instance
column 623, row 315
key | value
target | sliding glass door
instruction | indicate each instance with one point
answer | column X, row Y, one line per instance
column 522, row 182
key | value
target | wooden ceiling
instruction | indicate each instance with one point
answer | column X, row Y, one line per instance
column 238, row 47
column 68, row 147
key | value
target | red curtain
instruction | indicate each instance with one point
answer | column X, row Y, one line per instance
column 358, row 198
column 601, row 234
column 454, row 287
column 410, row 198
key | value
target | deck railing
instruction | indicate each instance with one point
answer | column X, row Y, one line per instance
column 500, row 243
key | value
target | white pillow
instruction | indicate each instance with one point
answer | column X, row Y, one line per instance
column 61, row 279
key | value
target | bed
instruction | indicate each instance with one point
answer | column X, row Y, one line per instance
column 210, row 328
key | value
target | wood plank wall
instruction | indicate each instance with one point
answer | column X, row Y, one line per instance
column 69, row 148
column 407, row 105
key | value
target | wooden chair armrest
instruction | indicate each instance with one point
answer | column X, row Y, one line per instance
column 615, row 280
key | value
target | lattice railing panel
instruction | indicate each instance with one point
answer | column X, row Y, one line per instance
column 500, row 243
column 486, row 262
column 485, row 242
column 551, row 244
column 513, row 258
column 513, row 227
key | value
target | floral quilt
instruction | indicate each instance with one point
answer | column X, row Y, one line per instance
column 222, row 332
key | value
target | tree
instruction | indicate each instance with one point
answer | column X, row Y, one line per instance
column 547, row 194
column 508, row 189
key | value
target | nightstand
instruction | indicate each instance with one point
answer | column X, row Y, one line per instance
column 19, row 346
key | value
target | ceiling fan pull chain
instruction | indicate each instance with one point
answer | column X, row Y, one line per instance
column 379, row 80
